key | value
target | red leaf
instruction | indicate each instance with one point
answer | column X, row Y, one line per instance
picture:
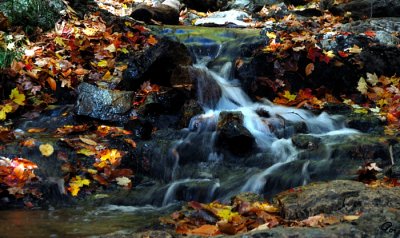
column 370, row 33
column 313, row 53
column 343, row 54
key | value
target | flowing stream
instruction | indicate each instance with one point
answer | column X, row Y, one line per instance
column 196, row 168
column 273, row 133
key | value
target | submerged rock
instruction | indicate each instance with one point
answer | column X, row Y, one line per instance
column 103, row 104
column 232, row 135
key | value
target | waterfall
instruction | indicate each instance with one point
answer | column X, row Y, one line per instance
column 218, row 92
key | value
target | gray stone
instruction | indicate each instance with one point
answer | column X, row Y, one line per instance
column 336, row 197
column 103, row 104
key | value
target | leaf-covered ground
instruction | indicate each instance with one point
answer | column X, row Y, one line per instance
column 92, row 50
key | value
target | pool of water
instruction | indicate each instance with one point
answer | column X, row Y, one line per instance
column 103, row 221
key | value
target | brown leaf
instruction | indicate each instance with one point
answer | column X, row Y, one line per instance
column 88, row 141
column 309, row 68
column 36, row 130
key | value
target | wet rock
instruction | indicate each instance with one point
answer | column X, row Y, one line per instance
column 167, row 12
column 181, row 77
column 340, row 197
column 201, row 190
column 251, row 5
column 150, row 234
column 164, row 101
column 155, row 64
column 232, row 135
column 383, row 27
column 207, row 90
column 206, row 5
column 190, row 109
column 232, row 18
column 369, row 8
column 383, row 60
column 368, row 123
column 295, row 2
column 304, row 141
column 246, row 198
column 103, row 104
column 140, row 128
column 337, row 108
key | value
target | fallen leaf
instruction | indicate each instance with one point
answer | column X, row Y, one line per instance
column 351, row 217
column 205, row 230
column 123, row 181
column 36, row 130
column 309, row 68
column 46, row 149
column 17, row 97
column 87, row 141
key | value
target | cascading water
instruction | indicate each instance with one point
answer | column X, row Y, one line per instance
column 272, row 131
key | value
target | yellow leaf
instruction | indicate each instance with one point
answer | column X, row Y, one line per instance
column 107, row 76
column 362, row 86
column 124, row 50
column 355, row 49
column 92, row 171
column 89, row 31
column 59, row 41
column 351, row 217
column 86, row 152
column 266, row 207
column 46, row 149
column 17, row 97
column 361, row 111
column 271, row 35
column 102, row 63
column 330, row 53
column 382, row 102
column 4, row 110
column 76, row 184
column 289, row 96
column 111, row 48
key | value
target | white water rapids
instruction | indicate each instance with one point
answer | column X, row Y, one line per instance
column 233, row 98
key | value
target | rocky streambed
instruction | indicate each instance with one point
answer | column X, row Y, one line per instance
column 204, row 134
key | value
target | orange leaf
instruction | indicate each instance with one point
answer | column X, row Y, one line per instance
column 151, row 40
column 36, row 130
column 309, row 68
column 206, row 230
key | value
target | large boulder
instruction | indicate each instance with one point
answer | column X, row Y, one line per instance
column 378, row 209
column 156, row 64
column 206, row 5
column 103, row 104
column 167, row 12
